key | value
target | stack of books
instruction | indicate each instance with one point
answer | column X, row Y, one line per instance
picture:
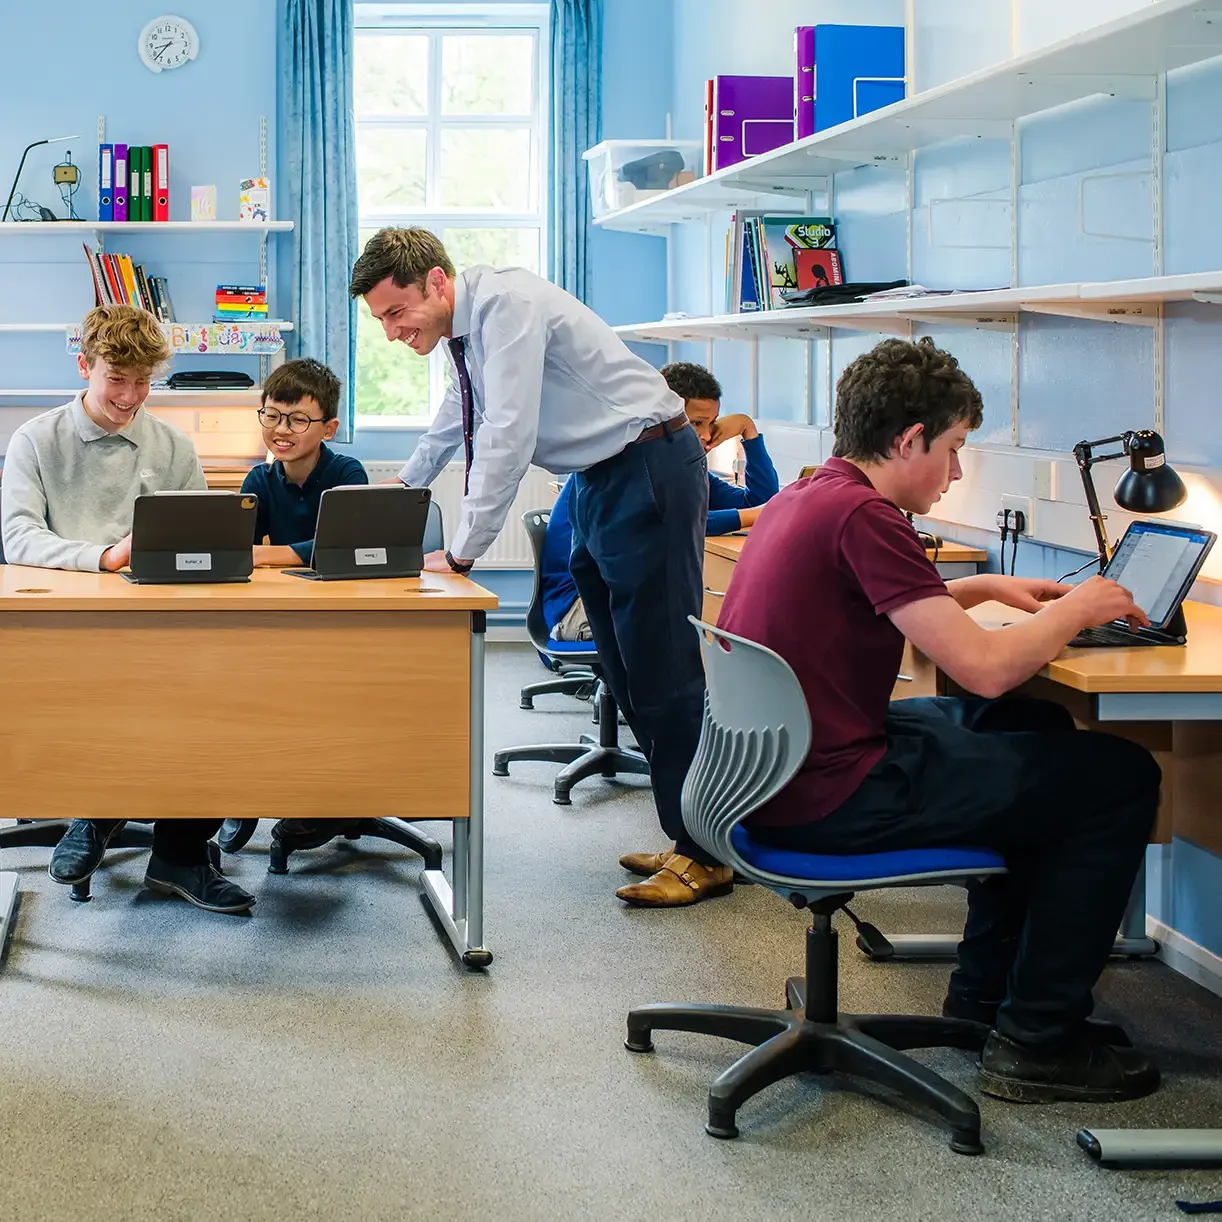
column 773, row 262
column 119, row 281
column 239, row 302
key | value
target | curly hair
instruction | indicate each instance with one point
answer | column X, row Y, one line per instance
column 405, row 255
column 124, row 337
column 691, row 381
column 294, row 380
column 895, row 385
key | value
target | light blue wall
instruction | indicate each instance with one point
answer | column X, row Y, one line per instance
column 1085, row 213
column 207, row 112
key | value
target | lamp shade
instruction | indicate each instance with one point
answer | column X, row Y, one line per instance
column 1149, row 485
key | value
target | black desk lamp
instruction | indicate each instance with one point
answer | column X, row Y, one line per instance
column 1148, row 486
column 21, row 166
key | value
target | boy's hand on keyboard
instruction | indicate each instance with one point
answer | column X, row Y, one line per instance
column 1099, row 600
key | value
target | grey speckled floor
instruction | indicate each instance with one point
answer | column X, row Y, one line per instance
column 329, row 1059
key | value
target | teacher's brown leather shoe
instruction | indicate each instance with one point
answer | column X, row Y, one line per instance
column 680, row 881
column 646, row 864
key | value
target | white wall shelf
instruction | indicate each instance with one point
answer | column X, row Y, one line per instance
column 68, row 228
column 1132, row 302
column 1122, row 58
column 65, row 327
column 248, row 397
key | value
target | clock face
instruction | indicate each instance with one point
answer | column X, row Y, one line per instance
column 167, row 42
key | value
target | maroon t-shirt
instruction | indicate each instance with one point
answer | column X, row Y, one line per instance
column 828, row 558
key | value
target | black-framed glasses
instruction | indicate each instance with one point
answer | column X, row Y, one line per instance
column 298, row 421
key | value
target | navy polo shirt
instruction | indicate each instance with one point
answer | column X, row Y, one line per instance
column 288, row 513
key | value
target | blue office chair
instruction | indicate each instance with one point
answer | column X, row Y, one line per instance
column 588, row 756
column 236, row 833
column 569, row 661
column 756, row 736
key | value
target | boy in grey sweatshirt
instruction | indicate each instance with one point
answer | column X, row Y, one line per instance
column 71, row 478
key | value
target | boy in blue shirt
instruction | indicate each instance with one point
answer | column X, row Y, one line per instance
column 730, row 507
column 299, row 415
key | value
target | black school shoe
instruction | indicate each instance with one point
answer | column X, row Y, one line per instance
column 81, row 849
column 986, row 1012
column 204, row 886
column 1080, row 1070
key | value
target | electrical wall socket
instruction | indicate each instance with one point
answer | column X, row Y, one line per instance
column 1027, row 506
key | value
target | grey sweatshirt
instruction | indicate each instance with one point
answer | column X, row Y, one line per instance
column 69, row 487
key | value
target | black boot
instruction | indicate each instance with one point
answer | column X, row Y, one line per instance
column 81, row 848
column 1081, row 1070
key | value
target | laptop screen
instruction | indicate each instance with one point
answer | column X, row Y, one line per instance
column 1157, row 563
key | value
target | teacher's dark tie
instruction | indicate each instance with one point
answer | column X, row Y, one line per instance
column 458, row 351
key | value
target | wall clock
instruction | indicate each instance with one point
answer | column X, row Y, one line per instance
column 167, row 42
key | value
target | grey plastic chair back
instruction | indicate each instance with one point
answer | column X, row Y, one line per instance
column 755, row 737
column 434, row 531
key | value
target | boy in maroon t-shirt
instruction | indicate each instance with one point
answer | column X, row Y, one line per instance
column 834, row 579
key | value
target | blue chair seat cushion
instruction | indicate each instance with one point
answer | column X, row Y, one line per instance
column 580, row 649
column 862, row 867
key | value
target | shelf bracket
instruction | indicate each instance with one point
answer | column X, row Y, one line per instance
column 1208, row 298
column 975, row 320
column 1141, row 88
column 1130, row 313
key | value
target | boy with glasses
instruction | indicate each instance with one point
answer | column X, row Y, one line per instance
column 299, row 415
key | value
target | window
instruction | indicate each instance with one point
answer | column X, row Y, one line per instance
column 451, row 132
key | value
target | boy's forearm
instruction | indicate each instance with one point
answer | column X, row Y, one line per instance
column 270, row 555
column 1015, row 653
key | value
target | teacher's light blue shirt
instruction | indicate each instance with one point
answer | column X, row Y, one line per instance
column 552, row 384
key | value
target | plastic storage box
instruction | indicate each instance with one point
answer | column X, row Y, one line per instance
column 625, row 171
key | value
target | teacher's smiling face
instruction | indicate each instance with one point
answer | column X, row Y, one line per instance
column 418, row 315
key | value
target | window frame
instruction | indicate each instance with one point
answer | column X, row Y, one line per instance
column 437, row 20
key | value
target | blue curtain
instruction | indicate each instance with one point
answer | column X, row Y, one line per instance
column 577, row 41
column 318, row 165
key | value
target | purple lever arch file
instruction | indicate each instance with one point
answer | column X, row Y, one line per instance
column 804, row 81
column 751, row 115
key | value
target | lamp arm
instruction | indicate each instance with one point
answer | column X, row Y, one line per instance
column 1082, row 452
column 17, row 177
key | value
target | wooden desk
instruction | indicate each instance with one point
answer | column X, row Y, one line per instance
column 140, row 702
column 722, row 551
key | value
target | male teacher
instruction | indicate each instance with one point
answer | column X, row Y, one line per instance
column 536, row 376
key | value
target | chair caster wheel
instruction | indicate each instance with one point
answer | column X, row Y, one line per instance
column 80, row 893
column 277, row 860
column 500, row 769
column 966, row 1145
column 476, row 958
column 526, row 703
column 645, row 1045
column 235, row 833
column 561, row 799
column 724, row 1132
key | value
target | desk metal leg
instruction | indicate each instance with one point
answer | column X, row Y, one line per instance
column 1132, row 940
column 461, row 909
column 8, row 900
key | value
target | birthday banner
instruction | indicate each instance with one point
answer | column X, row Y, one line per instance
column 212, row 338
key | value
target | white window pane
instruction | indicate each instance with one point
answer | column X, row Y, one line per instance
column 391, row 74
column 483, row 167
column 495, row 247
column 391, row 380
column 390, row 166
column 487, row 74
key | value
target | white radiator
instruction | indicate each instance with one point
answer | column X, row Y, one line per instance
column 512, row 548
